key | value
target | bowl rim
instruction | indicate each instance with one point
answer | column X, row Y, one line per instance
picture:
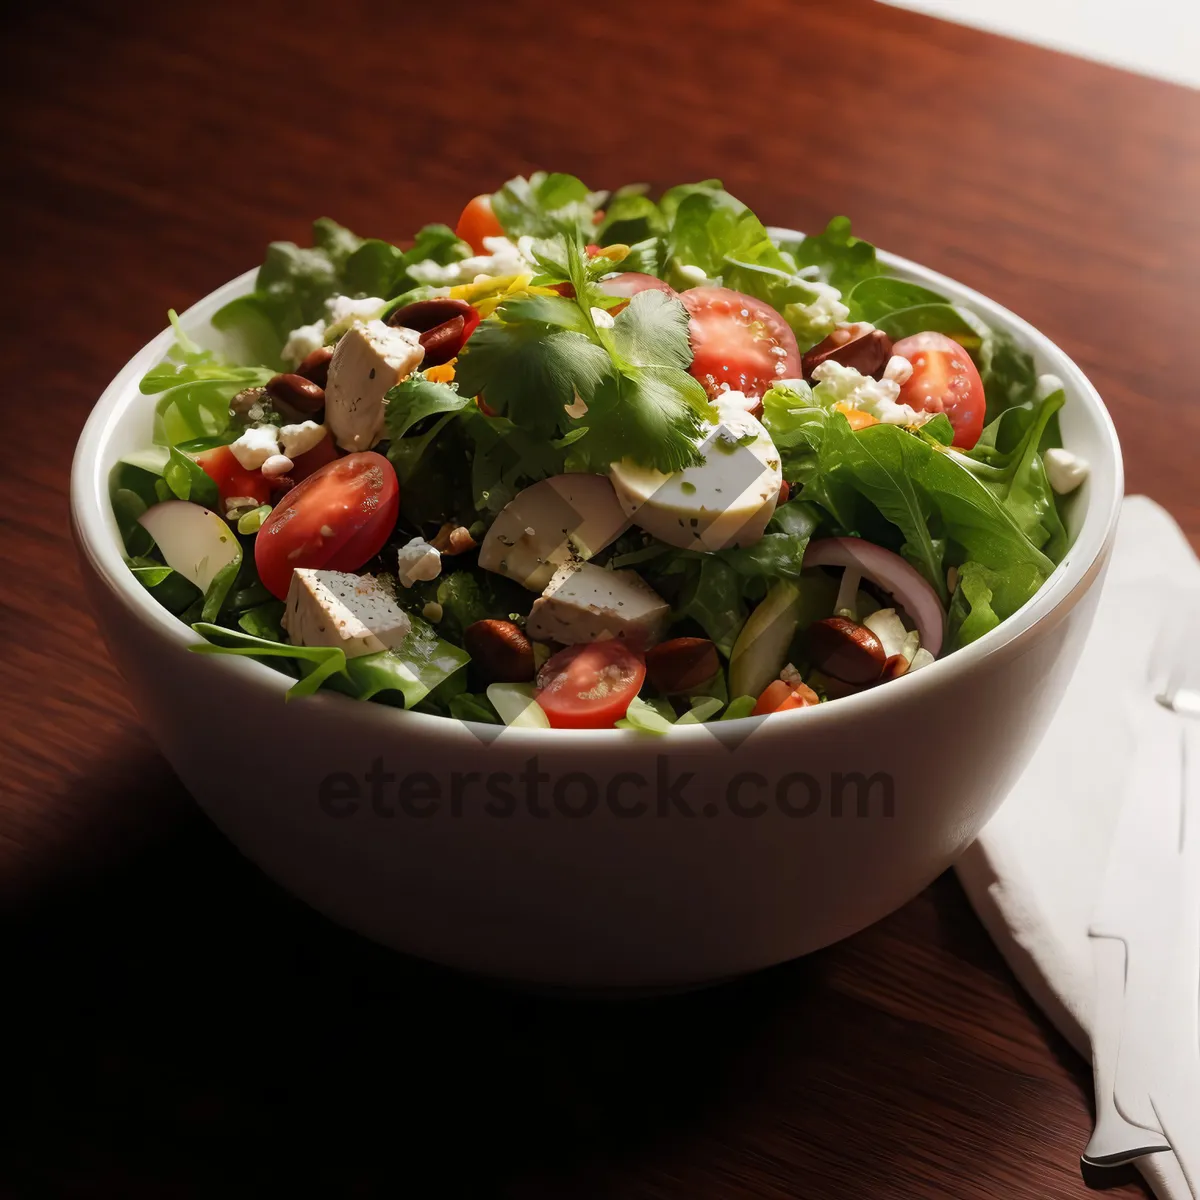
column 1083, row 563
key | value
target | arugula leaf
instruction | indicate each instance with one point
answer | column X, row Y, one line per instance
column 544, row 205
column 1008, row 373
column 187, row 481
column 505, row 459
column 130, row 492
column 167, row 586
column 1017, row 478
column 416, row 398
column 315, row 664
column 841, row 259
column 712, row 597
column 971, row 613
column 924, row 491
column 413, row 669
column 779, row 553
column 264, row 620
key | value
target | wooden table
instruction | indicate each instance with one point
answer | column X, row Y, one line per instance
column 177, row 1027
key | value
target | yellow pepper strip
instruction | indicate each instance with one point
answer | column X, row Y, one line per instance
column 857, row 418
column 443, row 373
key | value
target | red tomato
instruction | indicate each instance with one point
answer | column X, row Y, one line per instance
column 629, row 283
column 739, row 341
column 589, row 686
column 337, row 519
column 780, row 696
column 477, row 222
column 303, row 465
column 231, row 478
column 944, row 379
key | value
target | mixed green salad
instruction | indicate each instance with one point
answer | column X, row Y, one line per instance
column 593, row 459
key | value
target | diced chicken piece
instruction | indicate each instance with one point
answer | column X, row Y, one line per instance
column 352, row 612
column 586, row 603
column 369, row 359
column 549, row 523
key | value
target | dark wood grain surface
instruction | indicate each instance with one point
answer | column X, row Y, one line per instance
column 174, row 1025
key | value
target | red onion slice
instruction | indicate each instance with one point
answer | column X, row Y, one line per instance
column 901, row 580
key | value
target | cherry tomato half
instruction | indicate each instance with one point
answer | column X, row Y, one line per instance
column 231, row 478
column 629, row 283
column 477, row 222
column 944, row 379
column 738, row 341
column 337, row 519
column 589, row 686
column 780, row 695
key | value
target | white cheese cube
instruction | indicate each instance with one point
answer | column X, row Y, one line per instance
column 352, row 612
column 725, row 501
column 369, row 359
column 586, row 603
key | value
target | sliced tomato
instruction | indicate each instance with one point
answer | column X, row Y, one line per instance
column 231, row 478
column 629, row 283
column 738, row 341
column 476, row 222
column 303, row 465
column 944, row 379
column 780, row 696
column 337, row 519
column 590, row 686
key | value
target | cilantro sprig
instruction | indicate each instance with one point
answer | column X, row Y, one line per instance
column 541, row 354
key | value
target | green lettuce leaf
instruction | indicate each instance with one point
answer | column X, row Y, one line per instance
column 840, row 258
column 546, row 204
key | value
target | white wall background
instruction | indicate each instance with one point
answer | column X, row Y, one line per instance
column 1155, row 37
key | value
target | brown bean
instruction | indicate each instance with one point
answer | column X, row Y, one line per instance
column 845, row 650
column 443, row 342
column 866, row 350
column 296, row 396
column 423, row 315
column 316, row 366
column 500, row 652
column 681, row 664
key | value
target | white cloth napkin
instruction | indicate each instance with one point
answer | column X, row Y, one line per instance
column 1035, row 872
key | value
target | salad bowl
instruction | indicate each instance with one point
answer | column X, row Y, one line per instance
column 601, row 858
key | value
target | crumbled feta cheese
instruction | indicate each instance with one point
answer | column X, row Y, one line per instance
column 276, row 465
column 503, row 257
column 302, row 341
column 826, row 309
column 602, row 319
column 691, row 274
column 255, row 446
column 838, row 384
column 343, row 308
column 417, row 560
column 1064, row 470
column 432, row 611
column 1047, row 385
column 898, row 369
column 299, row 439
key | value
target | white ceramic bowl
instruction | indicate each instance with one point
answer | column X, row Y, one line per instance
column 766, row 864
